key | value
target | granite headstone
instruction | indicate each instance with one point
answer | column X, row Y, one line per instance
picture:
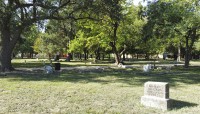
column 156, row 94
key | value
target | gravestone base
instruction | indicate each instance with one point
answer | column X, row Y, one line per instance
column 159, row 103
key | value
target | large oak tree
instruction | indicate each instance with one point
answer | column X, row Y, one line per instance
column 17, row 15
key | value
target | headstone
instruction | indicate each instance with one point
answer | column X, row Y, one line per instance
column 57, row 66
column 147, row 68
column 127, row 66
column 48, row 69
column 156, row 94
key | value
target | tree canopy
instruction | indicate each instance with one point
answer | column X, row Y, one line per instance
column 97, row 26
column 174, row 19
column 17, row 15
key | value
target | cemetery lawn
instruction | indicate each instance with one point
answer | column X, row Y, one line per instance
column 108, row 90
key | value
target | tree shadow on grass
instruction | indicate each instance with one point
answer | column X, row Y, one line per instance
column 132, row 77
column 40, row 75
column 28, row 65
column 177, row 104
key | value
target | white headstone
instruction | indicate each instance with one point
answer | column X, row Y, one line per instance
column 48, row 69
column 147, row 68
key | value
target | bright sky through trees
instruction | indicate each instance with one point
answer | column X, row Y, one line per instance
column 136, row 2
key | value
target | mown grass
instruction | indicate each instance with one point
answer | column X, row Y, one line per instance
column 111, row 90
column 34, row 63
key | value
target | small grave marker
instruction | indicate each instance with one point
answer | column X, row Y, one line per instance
column 147, row 68
column 156, row 94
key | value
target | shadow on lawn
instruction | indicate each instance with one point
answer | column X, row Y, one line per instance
column 131, row 77
column 28, row 65
column 177, row 104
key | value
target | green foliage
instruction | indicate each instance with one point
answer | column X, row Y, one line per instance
column 174, row 19
column 98, row 34
column 130, row 30
column 18, row 15
column 197, row 45
column 25, row 45
column 89, row 37
column 48, row 44
column 169, row 18
column 79, row 43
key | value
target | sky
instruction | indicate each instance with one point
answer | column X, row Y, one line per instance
column 136, row 2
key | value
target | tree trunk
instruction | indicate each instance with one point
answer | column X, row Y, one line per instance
column 31, row 55
column 179, row 53
column 113, row 44
column 49, row 55
column 192, row 34
column 103, row 56
column 6, row 51
column 22, row 55
column 187, row 59
column 5, row 57
column 80, row 56
column 117, row 58
column 109, row 56
column 124, row 58
column 8, row 39
column 97, row 54
column 147, row 56
column 85, row 54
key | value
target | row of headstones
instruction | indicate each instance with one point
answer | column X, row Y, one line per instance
column 149, row 67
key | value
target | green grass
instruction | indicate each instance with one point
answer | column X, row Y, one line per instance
column 110, row 91
column 34, row 63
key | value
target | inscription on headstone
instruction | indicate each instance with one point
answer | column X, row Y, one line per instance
column 157, row 89
column 156, row 94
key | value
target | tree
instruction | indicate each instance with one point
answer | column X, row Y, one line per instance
column 98, row 34
column 88, row 39
column 78, row 45
column 48, row 44
column 170, row 18
column 111, row 16
column 17, row 15
column 130, row 30
column 26, row 42
column 96, row 39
